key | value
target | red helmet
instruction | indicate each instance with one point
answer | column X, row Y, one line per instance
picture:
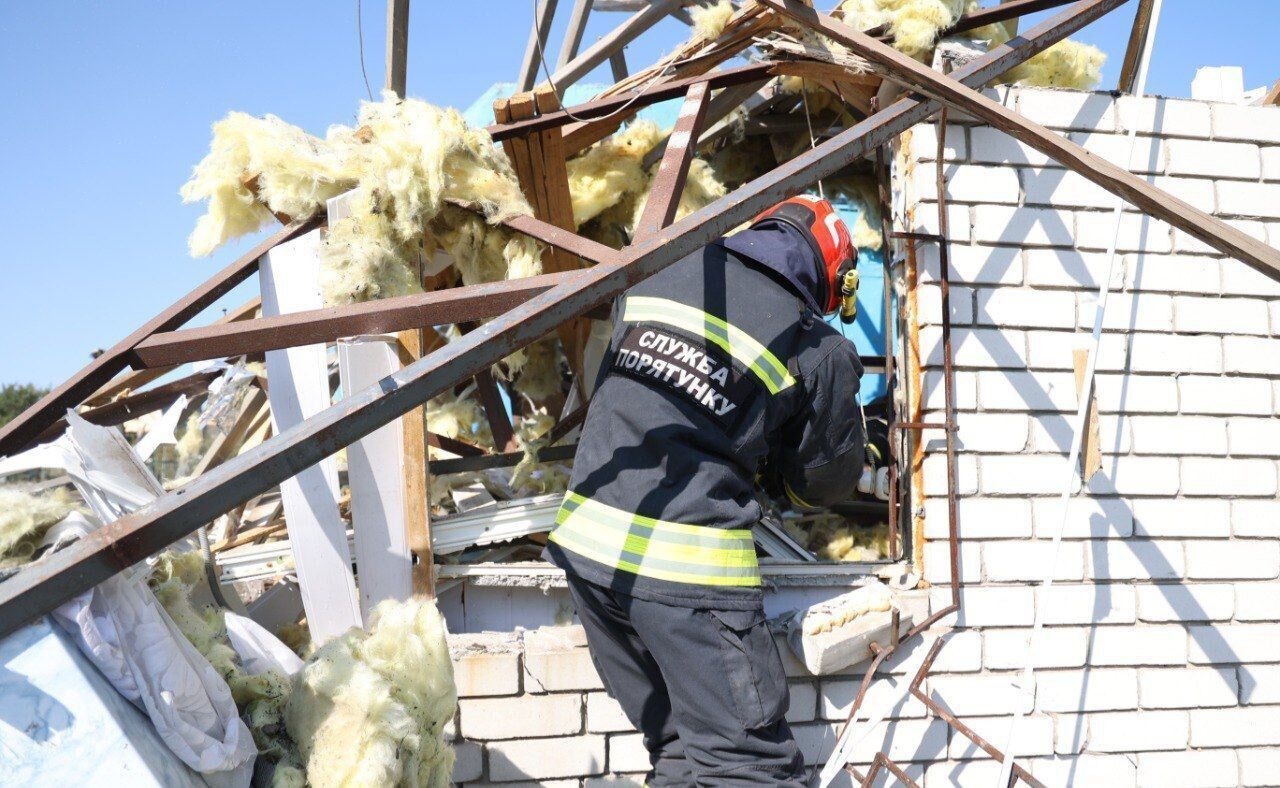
column 827, row 235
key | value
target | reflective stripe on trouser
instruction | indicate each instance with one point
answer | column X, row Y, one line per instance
column 643, row 546
column 733, row 340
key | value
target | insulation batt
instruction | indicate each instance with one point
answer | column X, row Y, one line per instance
column 370, row 709
column 709, row 20
column 24, row 518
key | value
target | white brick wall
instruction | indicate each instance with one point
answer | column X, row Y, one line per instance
column 1159, row 663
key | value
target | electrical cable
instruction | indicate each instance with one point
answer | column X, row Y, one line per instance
column 1082, row 411
column 360, row 41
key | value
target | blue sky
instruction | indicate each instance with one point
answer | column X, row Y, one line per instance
column 108, row 106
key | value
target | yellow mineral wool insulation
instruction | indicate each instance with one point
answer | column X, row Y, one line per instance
column 481, row 252
column 701, row 188
column 296, row 173
column 832, row 538
column 459, row 417
column 531, row 477
column 363, row 262
column 1066, row 64
column 24, row 518
column 191, row 444
column 914, row 24
column 872, row 598
column 541, row 375
column 611, row 170
column 371, row 709
column 709, row 20
column 862, row 191
column 261, row 697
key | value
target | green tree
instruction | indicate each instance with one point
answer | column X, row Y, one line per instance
column 17, row 397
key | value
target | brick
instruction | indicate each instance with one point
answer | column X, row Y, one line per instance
column 1233, row 560
column 1259, row 766
column 615, row 781
column 975, row 265
column 803, row 701
column 1259, row 684
column 1088, row 604
column 1133, row 394
column 984, row 347
column 835, row 698
column 1112, row 771
column 605, row 715
column 1239, row 727
column 1034, row 737
column 937, row 563
column 1055, row 647
column 1221, row 315
column 1254, row 437
column 978, row 695
column 1187, row 769
column 991, row 432
column 1023, row 226
column 1240, row 279
column 521, row 717
column 1188, row 244
column 1181, row 354
column 1204, row 476
column 627, row 753
column 1054, row 434
column 959, row 221
column 970, row 772
column 1027, row 391
column 992, row 146
column 540, row 759
column 1133, row 731
column 1257, row 601
column 1022, row 307
column 1226, row 644
column 487, row 674
column 1271, row 163
column 1254, row 518
column 1249, row 199
column 1129, row 312
column 935, row 474
column 1091, row 690
column 1137, row 476
column 1064, row 189
column 905, row 740
column 558, row 671
column 1173, row 273
column 965, row 392
column 1224, row 396
column 991, row 607
column 1143, row 645
column 1179, row 435
column 1186, row 518
column 1142, row 154
column 968, row 183
column 1214, row 159
column 1170, row 117
column 924, row 143
column 1132, row 559
column 1068, row 109
column 1138, row 233
column 929, row 305
column 1234, row 122
column 1197, row 192
column 468, row 761
column 980, row 518
column 1186, row 602
column 1087, row 518
column 1007, row 562
column 1069, row 268
column 961, row 652
column 1252, row 355
column 1022, row 475
column 1186, row 688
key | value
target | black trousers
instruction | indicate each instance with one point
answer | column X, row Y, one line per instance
column 706, row 688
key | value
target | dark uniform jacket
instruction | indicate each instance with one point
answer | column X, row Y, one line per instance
column 717, row 366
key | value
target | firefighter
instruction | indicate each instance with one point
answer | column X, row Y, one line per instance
column 720, row 368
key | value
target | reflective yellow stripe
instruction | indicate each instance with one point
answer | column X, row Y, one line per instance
column 656, row 548
column 733, row 340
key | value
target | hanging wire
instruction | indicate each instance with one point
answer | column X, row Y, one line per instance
column 808, row 121
column 360, row 41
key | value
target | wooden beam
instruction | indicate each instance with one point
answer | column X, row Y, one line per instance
column 668, row 184
column 618, row 65
column 573, row 34
column 1137, row 41
column 115, row 546
column 1273, row 95
column 1153, row 201
column 34, row 421
column 397, row 46
column 539, row 32
column 388, row 315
